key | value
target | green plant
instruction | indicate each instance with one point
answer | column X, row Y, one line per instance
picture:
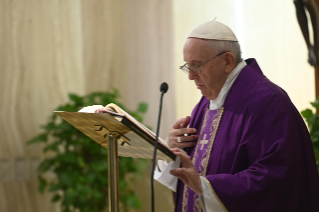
column 81, row 181
column 313, row 125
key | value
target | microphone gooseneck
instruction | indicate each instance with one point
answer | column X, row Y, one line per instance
column 163, row 89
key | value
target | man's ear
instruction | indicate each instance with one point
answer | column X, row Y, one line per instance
column 230, row 62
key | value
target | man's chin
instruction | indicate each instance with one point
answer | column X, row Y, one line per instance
column 205, row 94
column 208, row 95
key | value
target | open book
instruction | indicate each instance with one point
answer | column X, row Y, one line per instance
column 119, row 113
column 136, row 140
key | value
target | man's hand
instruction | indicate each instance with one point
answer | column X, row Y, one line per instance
column 188, row 173
column 179, row 129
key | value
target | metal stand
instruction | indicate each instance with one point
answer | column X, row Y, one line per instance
column 113, row 173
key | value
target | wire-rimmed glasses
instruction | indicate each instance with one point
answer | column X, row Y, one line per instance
column 195, row 69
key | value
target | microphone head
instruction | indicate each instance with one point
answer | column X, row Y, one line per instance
column 164, row 87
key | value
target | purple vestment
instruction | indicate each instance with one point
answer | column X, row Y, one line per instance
column 262, row 157
column 201, row 155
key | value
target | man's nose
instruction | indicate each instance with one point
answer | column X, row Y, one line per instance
column 192, row 75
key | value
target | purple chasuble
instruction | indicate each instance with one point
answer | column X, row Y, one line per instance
column 201, row 156
column 261, row 156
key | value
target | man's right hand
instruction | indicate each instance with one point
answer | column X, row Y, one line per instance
column 179, row 129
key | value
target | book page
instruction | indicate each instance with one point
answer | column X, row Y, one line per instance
column 131, row 118
column 91, row 109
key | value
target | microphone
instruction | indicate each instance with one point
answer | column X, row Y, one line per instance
column 163, row 89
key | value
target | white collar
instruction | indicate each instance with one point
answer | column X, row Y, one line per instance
column 219, row 101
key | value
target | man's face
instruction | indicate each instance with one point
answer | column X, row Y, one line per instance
column 213, row 75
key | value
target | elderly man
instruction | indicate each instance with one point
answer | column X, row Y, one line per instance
column 246, row 147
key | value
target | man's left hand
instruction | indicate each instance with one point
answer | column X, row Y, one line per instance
column 188, row 173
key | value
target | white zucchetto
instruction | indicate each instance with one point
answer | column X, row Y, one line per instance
column 213, row 30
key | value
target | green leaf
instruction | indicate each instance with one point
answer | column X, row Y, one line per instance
column 65, row 126
column 315, row 104
column 81, row 162
column 50, row 126
column 45, row 165
column 55, row 187
column 116, row 93
column 306, row 113
column 56, row 198
column 75, row 98
column 134, row 202
column 43, row 184
column 67, row 178
column 67, row 158
column 66, row 209
column 39, row 139
column 52, row 147
column 142, row 107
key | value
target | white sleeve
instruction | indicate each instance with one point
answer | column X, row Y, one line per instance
column 209, row 201
column 163, row 176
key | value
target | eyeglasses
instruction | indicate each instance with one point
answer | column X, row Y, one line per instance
column 195, row 69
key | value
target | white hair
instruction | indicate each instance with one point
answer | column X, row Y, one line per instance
column 221, row 46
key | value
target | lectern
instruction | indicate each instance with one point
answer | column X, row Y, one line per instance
column 121, row 137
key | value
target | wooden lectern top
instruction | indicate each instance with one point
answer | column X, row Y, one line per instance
column 132, row 142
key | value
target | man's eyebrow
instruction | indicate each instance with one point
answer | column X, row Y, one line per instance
column 194, row 61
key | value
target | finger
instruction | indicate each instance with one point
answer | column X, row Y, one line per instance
column 179, row 172
column 186, row 138
column 178, row 123
column 181, row 153
column 177, row 150
column 182, row 131
column 186, row 122
column 185, row 159
column 183, row 141
column 179, row 175
column 184, row 144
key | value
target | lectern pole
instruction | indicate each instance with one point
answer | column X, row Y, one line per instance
column 113, row 174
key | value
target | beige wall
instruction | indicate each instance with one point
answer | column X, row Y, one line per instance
column 51, row 48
